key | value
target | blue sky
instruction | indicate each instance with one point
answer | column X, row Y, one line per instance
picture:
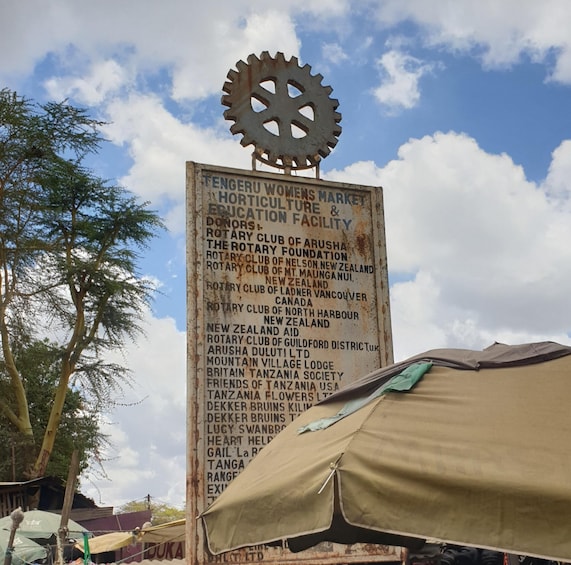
column 460, row 109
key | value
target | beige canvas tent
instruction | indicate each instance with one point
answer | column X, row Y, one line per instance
column 476, row 452
column 162, row 533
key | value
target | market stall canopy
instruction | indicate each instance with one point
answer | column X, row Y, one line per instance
column 25, row 549
column 162, row 533
column 171, row 531
column 474, row 452
column 42, row 525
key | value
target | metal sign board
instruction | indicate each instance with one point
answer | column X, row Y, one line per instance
column 287, row 301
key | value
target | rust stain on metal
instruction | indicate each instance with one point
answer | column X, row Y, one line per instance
column 287, row 306
column 362, row 244
column 283, row 151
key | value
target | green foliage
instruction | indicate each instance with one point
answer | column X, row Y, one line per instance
column 78, row 428
column 69, row 246
column 161, row 512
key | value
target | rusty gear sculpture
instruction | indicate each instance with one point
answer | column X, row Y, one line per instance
column 283, row 110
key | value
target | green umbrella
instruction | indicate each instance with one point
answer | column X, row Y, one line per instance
column 25, row 550
column 42, row 525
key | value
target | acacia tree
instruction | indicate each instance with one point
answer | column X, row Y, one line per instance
column 79, row 428
column 161, row 512
column 69, row 245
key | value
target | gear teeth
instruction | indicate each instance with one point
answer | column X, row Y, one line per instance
column 246, row 140
column 273, row 156
column 232, row 75
column 324, row 151
column 311, row 159
column 241, row 85
column 300, row 162
column 229, row 114
column 235, row 128
column 241, row 66
column 252, row 59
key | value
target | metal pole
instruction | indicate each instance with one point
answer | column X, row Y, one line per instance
column 17, row 517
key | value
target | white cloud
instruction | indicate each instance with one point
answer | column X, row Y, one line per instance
column 159, row 145
column 415, row 322
column 334, row 53
column 557, row 183
column 31, row 26
column 497, row 32
column 401, row 74
column 104, row 78
column 500, row 33
column 199, row 75
column 481, row 252
column 153, row 416
column 225, row 32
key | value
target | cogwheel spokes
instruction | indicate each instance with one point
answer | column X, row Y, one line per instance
column 282, row 110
